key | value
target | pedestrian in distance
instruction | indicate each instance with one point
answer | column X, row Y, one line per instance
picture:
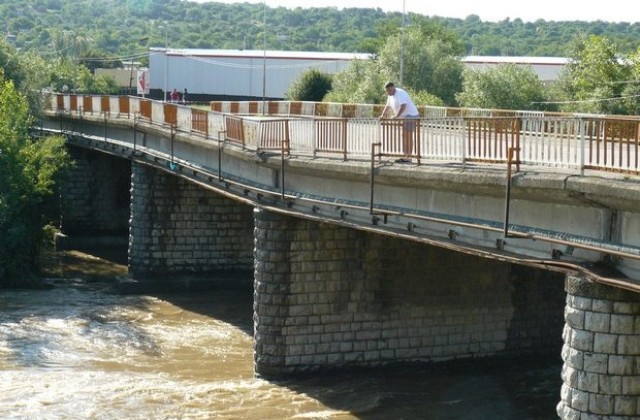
column 175, row 96
column 400, row 103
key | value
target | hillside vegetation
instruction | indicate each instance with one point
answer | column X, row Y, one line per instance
column 126, row 27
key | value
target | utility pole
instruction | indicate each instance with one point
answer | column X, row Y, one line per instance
column 166, row 62
column 402, row 43
column 264, row 55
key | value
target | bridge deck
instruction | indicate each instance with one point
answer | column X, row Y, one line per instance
column 365, row 184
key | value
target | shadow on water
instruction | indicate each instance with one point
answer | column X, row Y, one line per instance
column 233, row 306
column 491, row 389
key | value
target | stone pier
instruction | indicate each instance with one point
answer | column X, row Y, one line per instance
column 601, row 353
column 95, row 195
column 329, row 297
column 178, row 228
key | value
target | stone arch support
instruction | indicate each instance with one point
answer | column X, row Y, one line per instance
column 601, row 352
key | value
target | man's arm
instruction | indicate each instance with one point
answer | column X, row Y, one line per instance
column 400, row 110
column 384, row 111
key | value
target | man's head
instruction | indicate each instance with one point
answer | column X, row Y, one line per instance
column 390, row 88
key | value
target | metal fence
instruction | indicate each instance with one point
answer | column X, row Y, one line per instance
column 558, row 140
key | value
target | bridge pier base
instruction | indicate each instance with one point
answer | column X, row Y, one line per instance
column 328, row 297
column 181, row 231
column 95, row 199
column 601, row 354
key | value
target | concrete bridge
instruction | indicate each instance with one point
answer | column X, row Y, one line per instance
column 507, row 235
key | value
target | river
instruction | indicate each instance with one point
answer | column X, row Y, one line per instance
column 76, row 350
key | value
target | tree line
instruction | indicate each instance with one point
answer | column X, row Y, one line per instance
column 120, row 28
column 598, row 79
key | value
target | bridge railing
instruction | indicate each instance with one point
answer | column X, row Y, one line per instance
column 444, row 134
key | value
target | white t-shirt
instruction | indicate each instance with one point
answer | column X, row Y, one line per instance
column 402, row 97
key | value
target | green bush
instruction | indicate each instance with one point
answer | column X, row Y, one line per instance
column 312, row 85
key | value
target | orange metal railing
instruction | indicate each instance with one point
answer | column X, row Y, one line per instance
column 612, row 143
column 123, row 105
column 145, row 109
column 401, row 137
column 105, row 104
column 274, row 134
column 564, row 140
column 489, row 139
column 170, row 114
column 200, row 121
column 234, row 129
column 331, row 136
column 87, row 104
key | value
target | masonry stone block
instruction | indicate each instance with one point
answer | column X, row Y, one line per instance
column 588, row 381
column 610, row 384
column 580, row 302
column 574, row 317
column 602, row 306
column 605, row 343
column 629, row 345
column 597, row 322
column 625, row 405
column 601, row 404
column 595, row 362
column 570, row 376
column 631, row 385
column 579, row 399
column 621, row 365
column 582, row 340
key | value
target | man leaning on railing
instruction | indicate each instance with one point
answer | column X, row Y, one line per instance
column 399, row 101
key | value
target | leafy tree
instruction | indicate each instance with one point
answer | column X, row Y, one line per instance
column 631, row 90
column 28, row 169
column 103, row 85
column 429, row 54
column 591, row 80
column 431, row 68
column 507, row 86
column 26, row 70
column 312, row 85
column 361, row 82
column 425, row 98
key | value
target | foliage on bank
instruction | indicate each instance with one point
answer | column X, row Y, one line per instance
column 28, row 171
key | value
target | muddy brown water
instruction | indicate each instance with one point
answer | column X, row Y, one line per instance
column 77, row 350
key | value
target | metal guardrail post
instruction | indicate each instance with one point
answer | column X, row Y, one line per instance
column 582, row 144
column 135, row 132
column 220, row 146
column 172, row 164
column 372, row 183
column 511, row 152
column 284, row 148
column 105, row 127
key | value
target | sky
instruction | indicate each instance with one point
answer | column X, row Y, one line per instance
column 488, row 10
